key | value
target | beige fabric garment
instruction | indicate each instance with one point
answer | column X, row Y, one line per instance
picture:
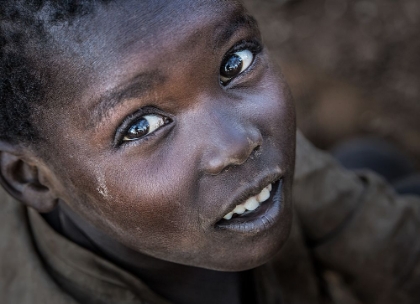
column 359, row 227
column 351, row 224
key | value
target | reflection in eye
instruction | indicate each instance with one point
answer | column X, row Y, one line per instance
column 144, row 126
column 235, row 64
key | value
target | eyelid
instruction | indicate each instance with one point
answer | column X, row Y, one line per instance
column 130, row 119
column 253, row 45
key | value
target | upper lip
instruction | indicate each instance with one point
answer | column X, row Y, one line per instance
column 251, row 189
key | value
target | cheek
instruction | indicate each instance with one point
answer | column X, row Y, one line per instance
column 272, row 108
column 274, row 114
column 144, row 204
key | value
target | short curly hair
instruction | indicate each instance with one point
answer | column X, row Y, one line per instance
column 23, row 25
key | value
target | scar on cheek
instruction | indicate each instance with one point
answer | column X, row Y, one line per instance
column 103, row 191
column 102, row 188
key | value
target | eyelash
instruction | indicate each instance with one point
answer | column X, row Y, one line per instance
column 134, row 118
column 254, row 46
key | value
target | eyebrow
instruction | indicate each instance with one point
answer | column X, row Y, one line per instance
column 225, row 31
column 136, row 87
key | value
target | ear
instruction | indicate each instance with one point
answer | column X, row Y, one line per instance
column 24, row 180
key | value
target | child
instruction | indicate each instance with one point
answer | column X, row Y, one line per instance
column 156, row 140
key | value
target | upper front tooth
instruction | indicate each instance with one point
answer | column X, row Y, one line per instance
column 251, row 203
column 228, row 216
column 239, row 209
column 263, row 195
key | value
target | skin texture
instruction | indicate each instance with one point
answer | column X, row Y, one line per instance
column 153, row 204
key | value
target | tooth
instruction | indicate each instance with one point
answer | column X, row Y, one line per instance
column 251, row 203
column 270, row 187
column 264, row 195
column 239, row 209
column 228, row 216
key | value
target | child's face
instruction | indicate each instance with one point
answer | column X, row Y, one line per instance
column 152, row 148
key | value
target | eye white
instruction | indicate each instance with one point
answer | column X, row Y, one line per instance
column 247, row 57
column 154, row 123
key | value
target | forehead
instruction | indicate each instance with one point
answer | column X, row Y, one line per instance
column 121, row 26
column 114, row 35
column 99, row 51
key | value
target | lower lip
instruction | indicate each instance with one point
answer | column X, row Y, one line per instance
column 262, row 218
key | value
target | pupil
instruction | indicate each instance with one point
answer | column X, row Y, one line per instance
column 139, row 129
column 232, row 66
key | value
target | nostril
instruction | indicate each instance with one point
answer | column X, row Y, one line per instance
column 255, row 152
column 227, row 168
column 232, row 151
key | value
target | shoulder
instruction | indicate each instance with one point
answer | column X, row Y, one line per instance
column 24, row 277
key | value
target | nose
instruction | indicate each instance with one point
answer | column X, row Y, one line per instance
column 228, row 144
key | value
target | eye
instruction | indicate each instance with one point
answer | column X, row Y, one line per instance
column 146, row 125
column 234, row 64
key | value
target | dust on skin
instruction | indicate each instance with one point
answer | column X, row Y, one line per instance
column 101, row 179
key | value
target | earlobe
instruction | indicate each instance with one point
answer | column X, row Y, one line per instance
column 22, row 180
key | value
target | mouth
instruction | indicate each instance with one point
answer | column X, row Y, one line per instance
column 256, row 213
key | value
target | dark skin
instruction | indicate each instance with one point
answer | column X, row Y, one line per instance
column 154, row 201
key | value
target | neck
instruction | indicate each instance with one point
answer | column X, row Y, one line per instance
column 175, row 282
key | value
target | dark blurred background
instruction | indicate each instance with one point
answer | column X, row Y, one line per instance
column 353, row 66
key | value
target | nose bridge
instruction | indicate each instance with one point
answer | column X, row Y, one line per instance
column 229, row 141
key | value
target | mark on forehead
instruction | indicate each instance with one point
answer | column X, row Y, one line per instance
column 136, row 87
